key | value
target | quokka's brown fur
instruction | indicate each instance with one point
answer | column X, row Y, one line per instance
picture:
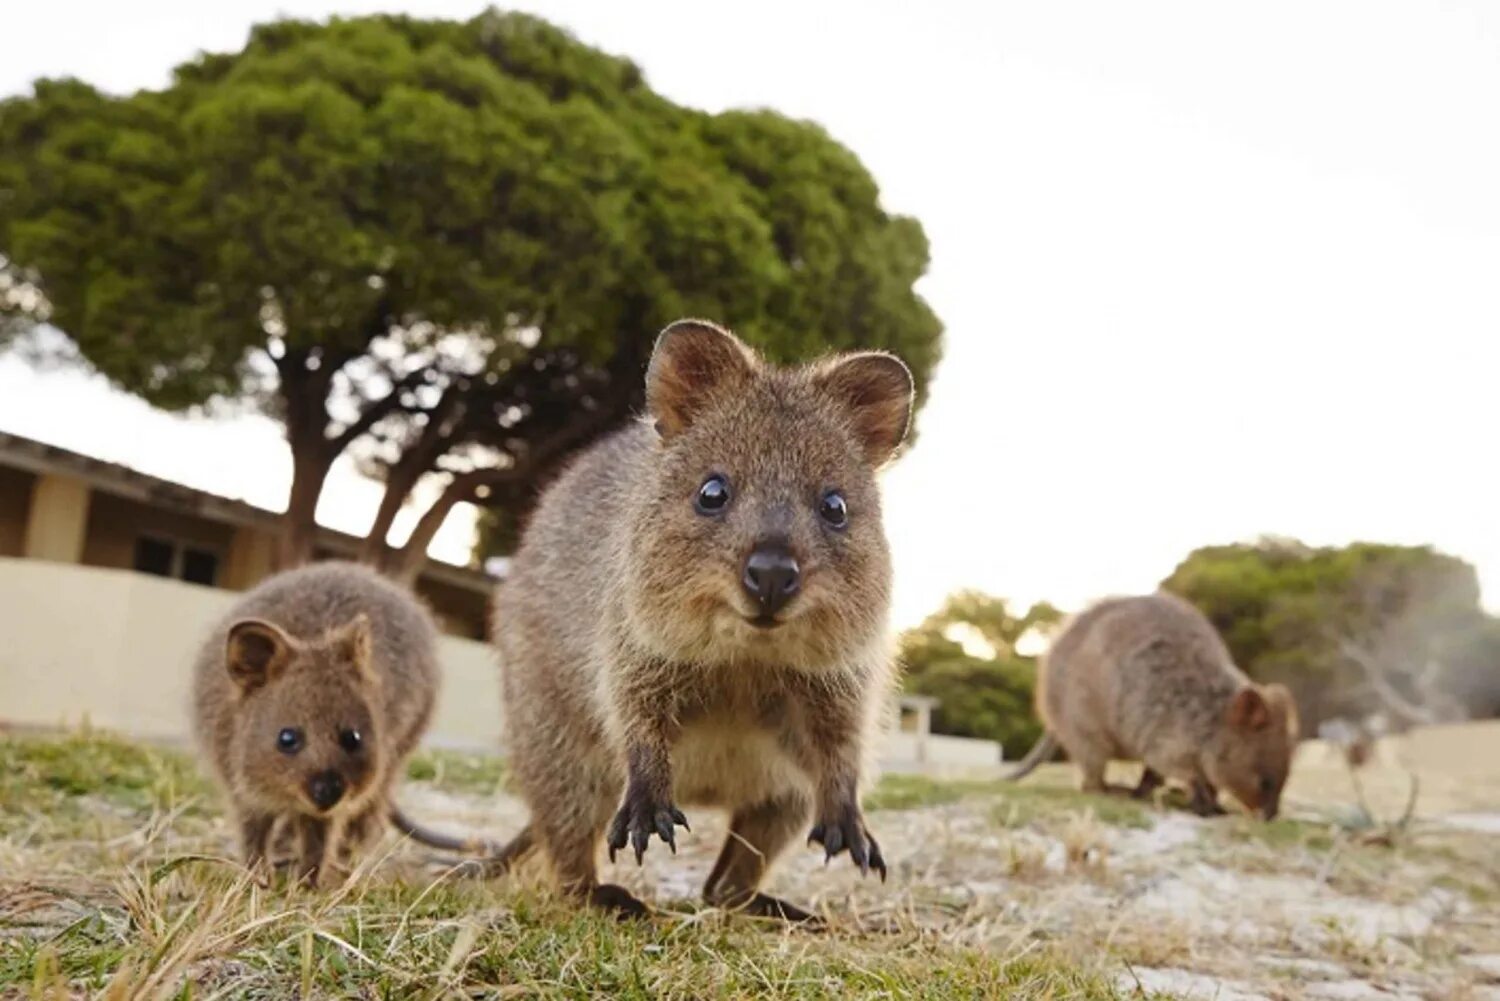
column 644, row 654
column 1148, row 679
column 346, row 663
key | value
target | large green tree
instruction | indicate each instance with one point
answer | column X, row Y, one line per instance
column 1353, row 630
column 965, row 656
column 444, row 245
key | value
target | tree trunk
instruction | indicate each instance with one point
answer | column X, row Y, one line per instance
column 415, row 462
column 374, row 550
column 299, row 526
column 408, row 561
column 304, row 394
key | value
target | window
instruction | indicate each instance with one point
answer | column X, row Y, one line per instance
column 164, row 558
column 199, row 567
column 155, row 556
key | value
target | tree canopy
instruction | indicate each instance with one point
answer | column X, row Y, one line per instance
column 445, row 244
column 1354, row 630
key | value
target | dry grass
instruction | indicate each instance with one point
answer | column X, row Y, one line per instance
column 114, row 882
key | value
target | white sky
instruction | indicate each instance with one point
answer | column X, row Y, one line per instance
column 1208, row 270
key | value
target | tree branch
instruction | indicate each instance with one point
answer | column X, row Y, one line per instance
column 376, row 410
column 1388, row 694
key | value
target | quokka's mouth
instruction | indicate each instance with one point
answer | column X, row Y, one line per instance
column 764, row 622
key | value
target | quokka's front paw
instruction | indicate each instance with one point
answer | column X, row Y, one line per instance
column 844, row 828
column 641, row 816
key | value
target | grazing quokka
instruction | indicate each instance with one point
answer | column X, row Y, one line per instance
column 307, row 699
column 697, row 616
column 1148, row 679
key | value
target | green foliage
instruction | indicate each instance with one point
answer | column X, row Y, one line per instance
column 987, row 696
column 354, row 217
column 1319, row 619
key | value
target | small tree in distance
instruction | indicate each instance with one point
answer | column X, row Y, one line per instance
column 965, row 656
column 444, row 247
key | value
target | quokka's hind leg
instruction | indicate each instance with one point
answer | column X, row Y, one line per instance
column 573, row 858
column 1151, row 781
column 320, row 851
column 757, row 835
column 361, row 831
column 255, row 839
column 572, row 833
column 1205, row 800
column 1092, row 768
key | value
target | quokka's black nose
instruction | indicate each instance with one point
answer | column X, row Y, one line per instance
column 771, row 577
column 326, row 789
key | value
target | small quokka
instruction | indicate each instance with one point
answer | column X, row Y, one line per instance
column 697, row 616
column 307, row 699
column 1148, row 679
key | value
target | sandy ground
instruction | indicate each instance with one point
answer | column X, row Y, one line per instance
column 1179, row 905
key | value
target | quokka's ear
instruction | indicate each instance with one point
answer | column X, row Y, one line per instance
column 877, row 390
column 352, row 642
column 1281, row 702
column 257, row 651
column 1248, row 709
column 693, row 361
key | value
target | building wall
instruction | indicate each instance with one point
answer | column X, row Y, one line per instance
column 15, row 505
column 115, row 524
column 116, row 648
column 130, row 668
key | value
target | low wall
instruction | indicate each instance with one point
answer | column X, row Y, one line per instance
column 935, row 753
column 116, row 648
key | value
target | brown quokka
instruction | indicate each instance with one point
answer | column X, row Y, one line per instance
column 1149, row 679
column 697, row 616
column 307, row 699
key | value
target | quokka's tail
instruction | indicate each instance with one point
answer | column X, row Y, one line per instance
column 494, row 857
column 1040, row 752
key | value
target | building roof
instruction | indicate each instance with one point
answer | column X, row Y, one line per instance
column 121, row 481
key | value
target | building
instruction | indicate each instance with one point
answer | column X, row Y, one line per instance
column 65, row 507
column 109, row 580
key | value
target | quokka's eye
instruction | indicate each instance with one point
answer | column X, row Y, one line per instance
column 833, row 510
column 289, row 740
column 713, row 495
column 1267, row 786
column 351, row 740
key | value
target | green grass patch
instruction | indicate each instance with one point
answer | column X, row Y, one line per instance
column 910, row 792
column 1027, row 805
column 457, row 772
column 1281, row 834
column 52, row 776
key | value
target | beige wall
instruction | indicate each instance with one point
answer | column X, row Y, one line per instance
column 15, row 504
column 116, row 647
column 252, row 558
column 905, row 751
column 58, row 519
